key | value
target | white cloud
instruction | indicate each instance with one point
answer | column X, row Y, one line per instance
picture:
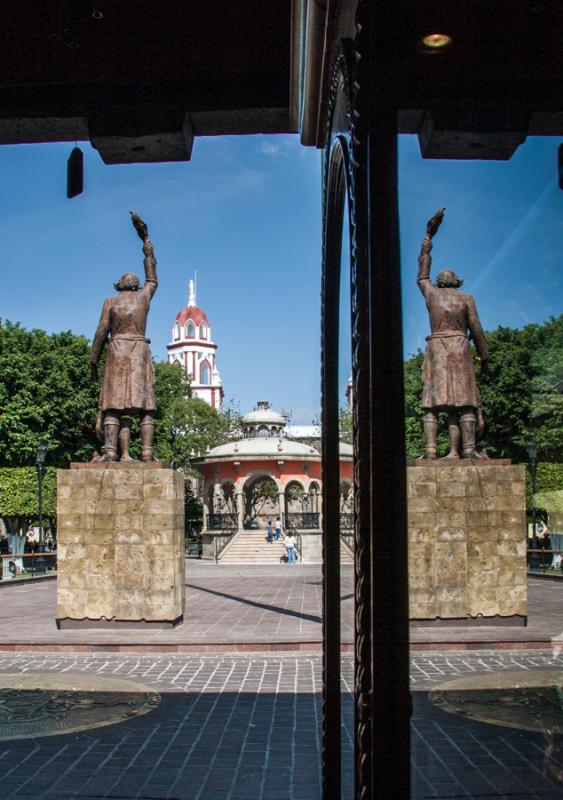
column 270, row 149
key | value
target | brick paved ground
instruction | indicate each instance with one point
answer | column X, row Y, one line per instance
column 246, row 727
column 238, row 607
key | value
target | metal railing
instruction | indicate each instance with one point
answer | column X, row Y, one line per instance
column 346, row 522
column 222, row 522
column 542, row 561
column 305, row 520
column 27, row 565
column 220, row 542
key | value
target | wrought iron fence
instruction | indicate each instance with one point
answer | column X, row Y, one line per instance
column 306, row 520
column 27, row 565
column 548, row 561
column 220, row 542
column 222, row 522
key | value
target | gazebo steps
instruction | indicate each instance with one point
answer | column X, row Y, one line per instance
column 252, row 547
column 346, row 555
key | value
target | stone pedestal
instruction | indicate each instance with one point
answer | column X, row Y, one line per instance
column 121, row 551
column 467, row 541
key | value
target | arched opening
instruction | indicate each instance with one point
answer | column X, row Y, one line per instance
column 298, row 512
column 260, row 502
column 190, row 330
column 205, row 373
column 314, row 492
column 203, row 331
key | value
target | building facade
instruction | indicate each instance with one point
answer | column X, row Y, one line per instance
column 232, row 471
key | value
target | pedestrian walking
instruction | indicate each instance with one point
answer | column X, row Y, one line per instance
column 289, row 545
column 278, row 527
column 270, row 532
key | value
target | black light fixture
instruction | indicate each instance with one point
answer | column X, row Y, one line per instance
column 75, row 173
column 41, row 455
column 532, row 450
column 40, row 462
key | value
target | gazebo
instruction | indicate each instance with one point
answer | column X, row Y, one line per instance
column 263, row 475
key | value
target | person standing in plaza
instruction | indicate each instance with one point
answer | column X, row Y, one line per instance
column 278, row 527
column 270, row 532
column 289, row 545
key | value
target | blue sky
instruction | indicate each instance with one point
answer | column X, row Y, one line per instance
column 245, row 213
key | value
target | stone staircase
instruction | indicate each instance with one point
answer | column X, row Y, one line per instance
column 346, row 555
column 251, row 547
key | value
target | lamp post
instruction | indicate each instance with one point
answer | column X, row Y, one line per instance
column 40, row 462
column 532, row 450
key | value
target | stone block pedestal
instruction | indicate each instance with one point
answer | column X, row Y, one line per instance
column 121, row 551
column 467, row 541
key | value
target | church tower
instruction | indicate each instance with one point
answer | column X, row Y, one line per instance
column 193, row 348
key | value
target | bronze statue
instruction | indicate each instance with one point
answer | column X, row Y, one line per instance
column 448, row 374
column 128, row 385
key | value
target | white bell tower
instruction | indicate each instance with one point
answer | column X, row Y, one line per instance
column 193, row 348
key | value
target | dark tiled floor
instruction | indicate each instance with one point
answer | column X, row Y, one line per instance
column 247, row 727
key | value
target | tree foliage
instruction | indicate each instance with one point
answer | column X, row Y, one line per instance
column 19, row 496
column 263, row 492
column 186, row 427
column 345, row 426
column 46, row 393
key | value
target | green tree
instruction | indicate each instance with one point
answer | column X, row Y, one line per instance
column 19, row 506
column 547, row 392
column 506, row 392
column 186, row 427
column 46, row 393
column 345, row 426
column 257, row 496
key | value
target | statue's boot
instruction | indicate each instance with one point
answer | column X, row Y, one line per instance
column 111, row 434
column 431, row 435
column 124, row 439
column 455, row 436
column 147, row 436
column 468, row 424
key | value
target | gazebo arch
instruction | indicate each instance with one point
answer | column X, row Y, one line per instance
column 298, row 512
column 260, row 493
column 314, row 496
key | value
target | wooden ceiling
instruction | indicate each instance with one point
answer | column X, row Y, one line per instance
column 109, row 69
column 141, row 78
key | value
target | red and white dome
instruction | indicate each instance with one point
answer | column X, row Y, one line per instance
column 195, row 313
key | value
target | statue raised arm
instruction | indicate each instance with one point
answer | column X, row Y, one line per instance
column 448, row 374
column 128, row 384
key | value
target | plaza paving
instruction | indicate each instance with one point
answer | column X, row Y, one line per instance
column 247, row 727
column 255, row 608
column 238, row 720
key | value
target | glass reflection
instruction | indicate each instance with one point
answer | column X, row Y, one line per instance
column 346, row 507
column 486, row 538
